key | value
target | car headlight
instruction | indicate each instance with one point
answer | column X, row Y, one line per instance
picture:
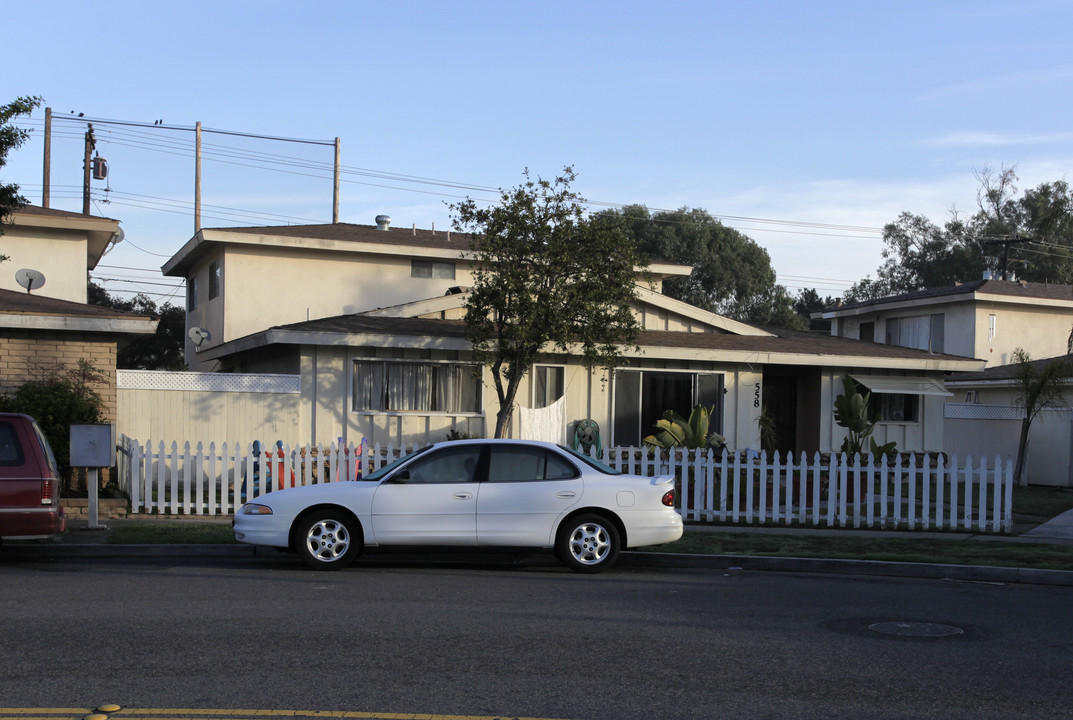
column 255, row 509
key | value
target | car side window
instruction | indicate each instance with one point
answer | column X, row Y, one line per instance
column 450, row 465
column 521, row 463
column 10, row 449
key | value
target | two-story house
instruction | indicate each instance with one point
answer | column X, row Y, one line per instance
column 370, row 318
column 45, row 323
column 985, row 319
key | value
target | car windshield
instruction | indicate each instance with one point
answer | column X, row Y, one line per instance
column 591, row 462
column 377, row 474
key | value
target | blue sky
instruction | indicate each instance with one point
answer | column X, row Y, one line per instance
column 808, row 126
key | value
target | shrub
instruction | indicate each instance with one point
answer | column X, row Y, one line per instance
column 61, row 399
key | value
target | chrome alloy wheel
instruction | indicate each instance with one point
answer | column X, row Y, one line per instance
column 327, row 540
column 589, row 544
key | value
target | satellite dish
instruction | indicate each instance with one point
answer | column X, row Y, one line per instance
column 30, row 279
column 198, row 336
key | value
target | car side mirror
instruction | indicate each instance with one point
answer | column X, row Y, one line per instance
column 402, row 476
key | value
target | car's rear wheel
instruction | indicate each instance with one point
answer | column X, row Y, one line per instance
column 328, row 540
column 588, row 543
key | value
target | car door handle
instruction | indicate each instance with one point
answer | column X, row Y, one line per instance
column 566, row 494
column 463, row 496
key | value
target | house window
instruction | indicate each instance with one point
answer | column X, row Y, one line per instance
column 216, row 277
column 547, row 384
column 642, row 396
column 389, row 386
column 432, row 269
column 991, row 322
column 894, row 408
column 923, row 332
column 867, row 331
column 191, row 293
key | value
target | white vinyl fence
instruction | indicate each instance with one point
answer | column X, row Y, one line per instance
column 914, row 492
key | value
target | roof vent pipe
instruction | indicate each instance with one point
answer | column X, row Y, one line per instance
column 382, row 222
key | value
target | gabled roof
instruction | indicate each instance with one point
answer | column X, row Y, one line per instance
column 25, row 311
column 781, row 347
column 1013, row 291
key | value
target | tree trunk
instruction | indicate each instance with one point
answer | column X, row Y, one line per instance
column 1022, row 449
column 506, row 406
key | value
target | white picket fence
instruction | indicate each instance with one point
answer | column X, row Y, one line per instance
column 913, row 493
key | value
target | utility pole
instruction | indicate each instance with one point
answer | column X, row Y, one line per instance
column 1004, row 270
column 197, row 178
column 335, row 192
column 90, row 144
column 46, row 179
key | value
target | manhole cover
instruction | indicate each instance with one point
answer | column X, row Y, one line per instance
column 916, row 629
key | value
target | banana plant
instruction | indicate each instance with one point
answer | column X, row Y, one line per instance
column 851, row 412
column 672, row 430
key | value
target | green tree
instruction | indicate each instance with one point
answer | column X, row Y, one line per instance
column 546, row 275
column 732, row 275
column 161, row 351
column 809, row 301
column 919, row 254
column 1040, row 385
column 11, row 138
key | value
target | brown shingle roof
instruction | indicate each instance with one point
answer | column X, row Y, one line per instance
column 29, row 304
column 1047, row 291
column 784, row 342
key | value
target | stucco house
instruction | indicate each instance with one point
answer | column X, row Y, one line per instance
column 986, row 319
column 370, row 318
column 49, row 326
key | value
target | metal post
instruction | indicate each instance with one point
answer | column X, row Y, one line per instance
column 92, row 483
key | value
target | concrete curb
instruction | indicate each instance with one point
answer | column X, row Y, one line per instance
column 735, row 563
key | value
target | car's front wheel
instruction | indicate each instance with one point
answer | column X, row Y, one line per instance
column 588, row 543
column 328, row 540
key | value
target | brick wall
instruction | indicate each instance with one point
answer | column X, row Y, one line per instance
column 35, row 355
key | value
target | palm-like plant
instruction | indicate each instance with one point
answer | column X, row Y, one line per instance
column 1039, row 386
column 672, row 430
column 851, row 412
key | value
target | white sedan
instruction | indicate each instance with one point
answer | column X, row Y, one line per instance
column 471, row 493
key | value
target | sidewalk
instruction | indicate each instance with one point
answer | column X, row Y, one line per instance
column 84, row 542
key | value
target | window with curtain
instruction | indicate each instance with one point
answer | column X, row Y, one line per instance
column 392, row 386
column 923, row 332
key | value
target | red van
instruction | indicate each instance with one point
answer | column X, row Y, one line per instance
column 29, row 482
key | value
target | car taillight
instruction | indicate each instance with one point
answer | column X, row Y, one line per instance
column 668, row 498
column 47, row 491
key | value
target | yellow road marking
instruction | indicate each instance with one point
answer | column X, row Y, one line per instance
column 215, row 714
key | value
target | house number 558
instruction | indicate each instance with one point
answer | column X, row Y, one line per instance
column 756, row 396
